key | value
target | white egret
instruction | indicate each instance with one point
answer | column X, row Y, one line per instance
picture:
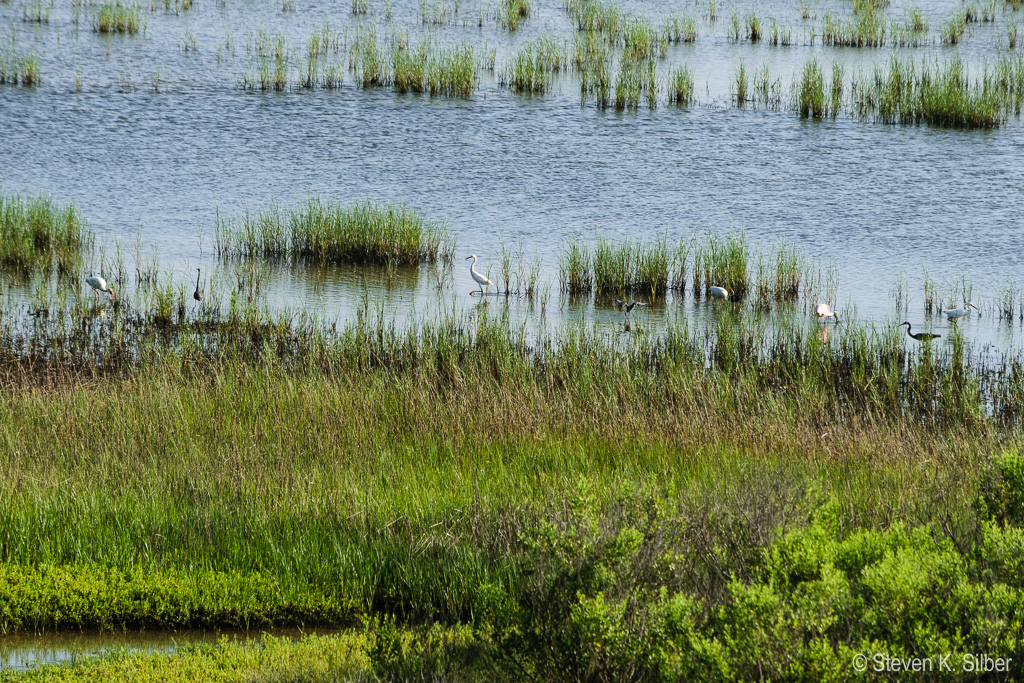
column 481, row 280
column 718, row 293
column 98, row 285
column 956, row 313
column 197, row 295
column 920, row 336
column 823, row 311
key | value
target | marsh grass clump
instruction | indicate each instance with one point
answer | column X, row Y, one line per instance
column 596, row 82
column 636, row 81
column 678, row 265
column 627, row 268
column 912, row 31
column 364, row 232
column 613, row 267
column 1007, row 78
column 734, row 27
column 816, row 98
column 367, row 59
column 651, row 274
column 552, row 53
column 439, row 14
column 528, row 72
column 115, row 17
column 723, row 263
column 788, row 272
column 450, row 70
column 596, row 16
column 575, row 269
column 409, row 67
column 935, row 93
column 767, row 90
column 593, row 63
column 678, row 28
column 779, row 36
column 752, row 27
column 19, row 68
column 512, row 12
column 453, row 70
column 869, row 6
column 742, row 83
column 641, row 41
column 680, row 86
column 36, row 231
column 954, row 28
column 867, row 29
column 532, row 68
column 37, row 11
column 323, row 41
column 26, row 69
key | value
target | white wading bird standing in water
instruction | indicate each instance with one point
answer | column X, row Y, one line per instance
column 718, row 293
column 481, row 280
column 98, row 285
column 956, row 313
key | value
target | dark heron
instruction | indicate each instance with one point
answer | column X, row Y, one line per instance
column 920, row 336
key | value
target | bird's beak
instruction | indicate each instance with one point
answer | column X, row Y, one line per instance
column 468, row 257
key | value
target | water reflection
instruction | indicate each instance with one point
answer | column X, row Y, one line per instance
column 27, row 651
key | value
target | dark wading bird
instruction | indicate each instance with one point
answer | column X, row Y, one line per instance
column 197, row 295
column 628, row 307
column 920, row 336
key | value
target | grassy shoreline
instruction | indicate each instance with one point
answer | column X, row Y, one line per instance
column 699, row 504
column 264, row 496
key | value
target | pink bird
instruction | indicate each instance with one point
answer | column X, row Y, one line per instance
column 823, row 311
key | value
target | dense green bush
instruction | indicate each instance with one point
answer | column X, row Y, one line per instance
column 607, row 599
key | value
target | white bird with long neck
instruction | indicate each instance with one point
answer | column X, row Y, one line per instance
column 98, row 285
column 481, row 279
column 823, row 311
column 956, row 313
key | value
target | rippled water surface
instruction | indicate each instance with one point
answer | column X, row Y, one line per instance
column 150, row 140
